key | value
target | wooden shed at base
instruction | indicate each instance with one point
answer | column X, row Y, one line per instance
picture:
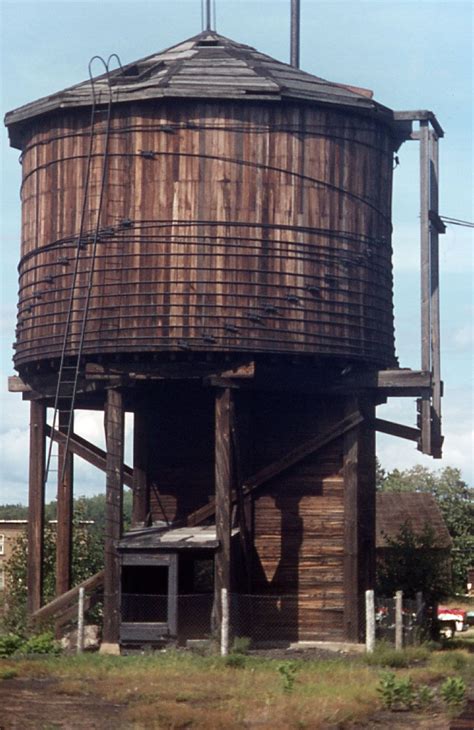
column 415, row 509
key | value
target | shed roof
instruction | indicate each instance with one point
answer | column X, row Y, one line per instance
column 207, row 65
column 415, row 508
column 170, row 538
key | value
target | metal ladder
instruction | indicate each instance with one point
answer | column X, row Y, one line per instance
column 69, row 369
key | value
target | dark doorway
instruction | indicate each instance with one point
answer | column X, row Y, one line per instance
column 145, row 593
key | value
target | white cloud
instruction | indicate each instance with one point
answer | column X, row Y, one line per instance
column 463, row 337
column 458, row 447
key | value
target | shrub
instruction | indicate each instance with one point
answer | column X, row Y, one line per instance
column 288, row 671
column 453, row 692
column 9, row 644
column 237, row 661
column 41, row 644
column 396, row 694
column 424, row 697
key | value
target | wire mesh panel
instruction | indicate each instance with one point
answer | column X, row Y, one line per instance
column 412, row 620
column 144, row 608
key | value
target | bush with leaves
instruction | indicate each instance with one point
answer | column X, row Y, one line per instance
column 396, row 694
column 9, row 644
column 287, row 672
column 411, row 563
column 453, row 692
column 87, row 559
column 43, row 643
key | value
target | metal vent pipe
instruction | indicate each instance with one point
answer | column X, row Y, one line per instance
column 295, row 34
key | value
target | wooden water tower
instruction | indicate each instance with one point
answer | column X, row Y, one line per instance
column 206, row 242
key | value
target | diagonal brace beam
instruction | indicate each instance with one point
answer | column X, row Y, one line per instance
column 397, row 429
column 274, row 469
column 89, row 452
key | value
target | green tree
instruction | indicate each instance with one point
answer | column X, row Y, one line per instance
column 87, row 559
column 456, row 502
column 412, row 563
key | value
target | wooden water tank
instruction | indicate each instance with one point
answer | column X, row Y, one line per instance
column 247, row 208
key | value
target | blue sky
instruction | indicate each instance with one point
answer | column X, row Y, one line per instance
column 414, row 55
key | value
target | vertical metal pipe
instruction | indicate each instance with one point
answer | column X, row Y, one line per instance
column 208, row 15
column 295, row 34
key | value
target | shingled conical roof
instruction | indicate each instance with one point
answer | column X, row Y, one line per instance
column 206, row 66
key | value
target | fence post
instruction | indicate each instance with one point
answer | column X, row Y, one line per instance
column 398, row 620
column 224, row 622
column 369, row 621
column 80, row 621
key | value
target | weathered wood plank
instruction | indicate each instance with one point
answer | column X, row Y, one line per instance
column 36, row 489
column 273, row 470
column 235, row 255
column 62, row 603
column 223, row 499
column 89, row 452
column 397, row 429
column 114, row 430
column 65, row 510
column 141, row 494
column 425, row 444
column 17, row 385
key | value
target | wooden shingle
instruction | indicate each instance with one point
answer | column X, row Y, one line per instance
column 205, row 66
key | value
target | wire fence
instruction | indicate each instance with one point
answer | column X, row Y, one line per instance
column 413, row 620
column 262, row 619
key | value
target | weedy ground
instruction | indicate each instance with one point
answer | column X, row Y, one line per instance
column 178, row 689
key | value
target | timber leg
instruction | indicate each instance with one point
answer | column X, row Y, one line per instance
column 359, row 518
column 223, row 487
column 141, row 496
column 36, row 505
column 65, row 512
column 114, row 431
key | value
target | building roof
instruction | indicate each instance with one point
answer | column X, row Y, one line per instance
column 415, row 508
column 207, row 65
column 164, row 538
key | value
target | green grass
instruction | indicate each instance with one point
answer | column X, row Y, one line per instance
column 180, row 689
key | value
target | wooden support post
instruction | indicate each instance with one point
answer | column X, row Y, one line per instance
column 65, row 511
column 359, row 519
column 173, row 596
column 223, row 486
column 36, row 505
column 141, row 495
column 425, row 195
column 114, row 432
column 436, row 437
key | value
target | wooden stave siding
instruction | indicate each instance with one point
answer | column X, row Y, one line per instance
column 298, row 522
column 298, row 518
column 152, row 296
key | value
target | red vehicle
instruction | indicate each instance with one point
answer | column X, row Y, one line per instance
column 451, row 620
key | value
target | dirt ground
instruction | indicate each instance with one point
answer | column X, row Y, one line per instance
column 37, row 703
column 40, row 704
